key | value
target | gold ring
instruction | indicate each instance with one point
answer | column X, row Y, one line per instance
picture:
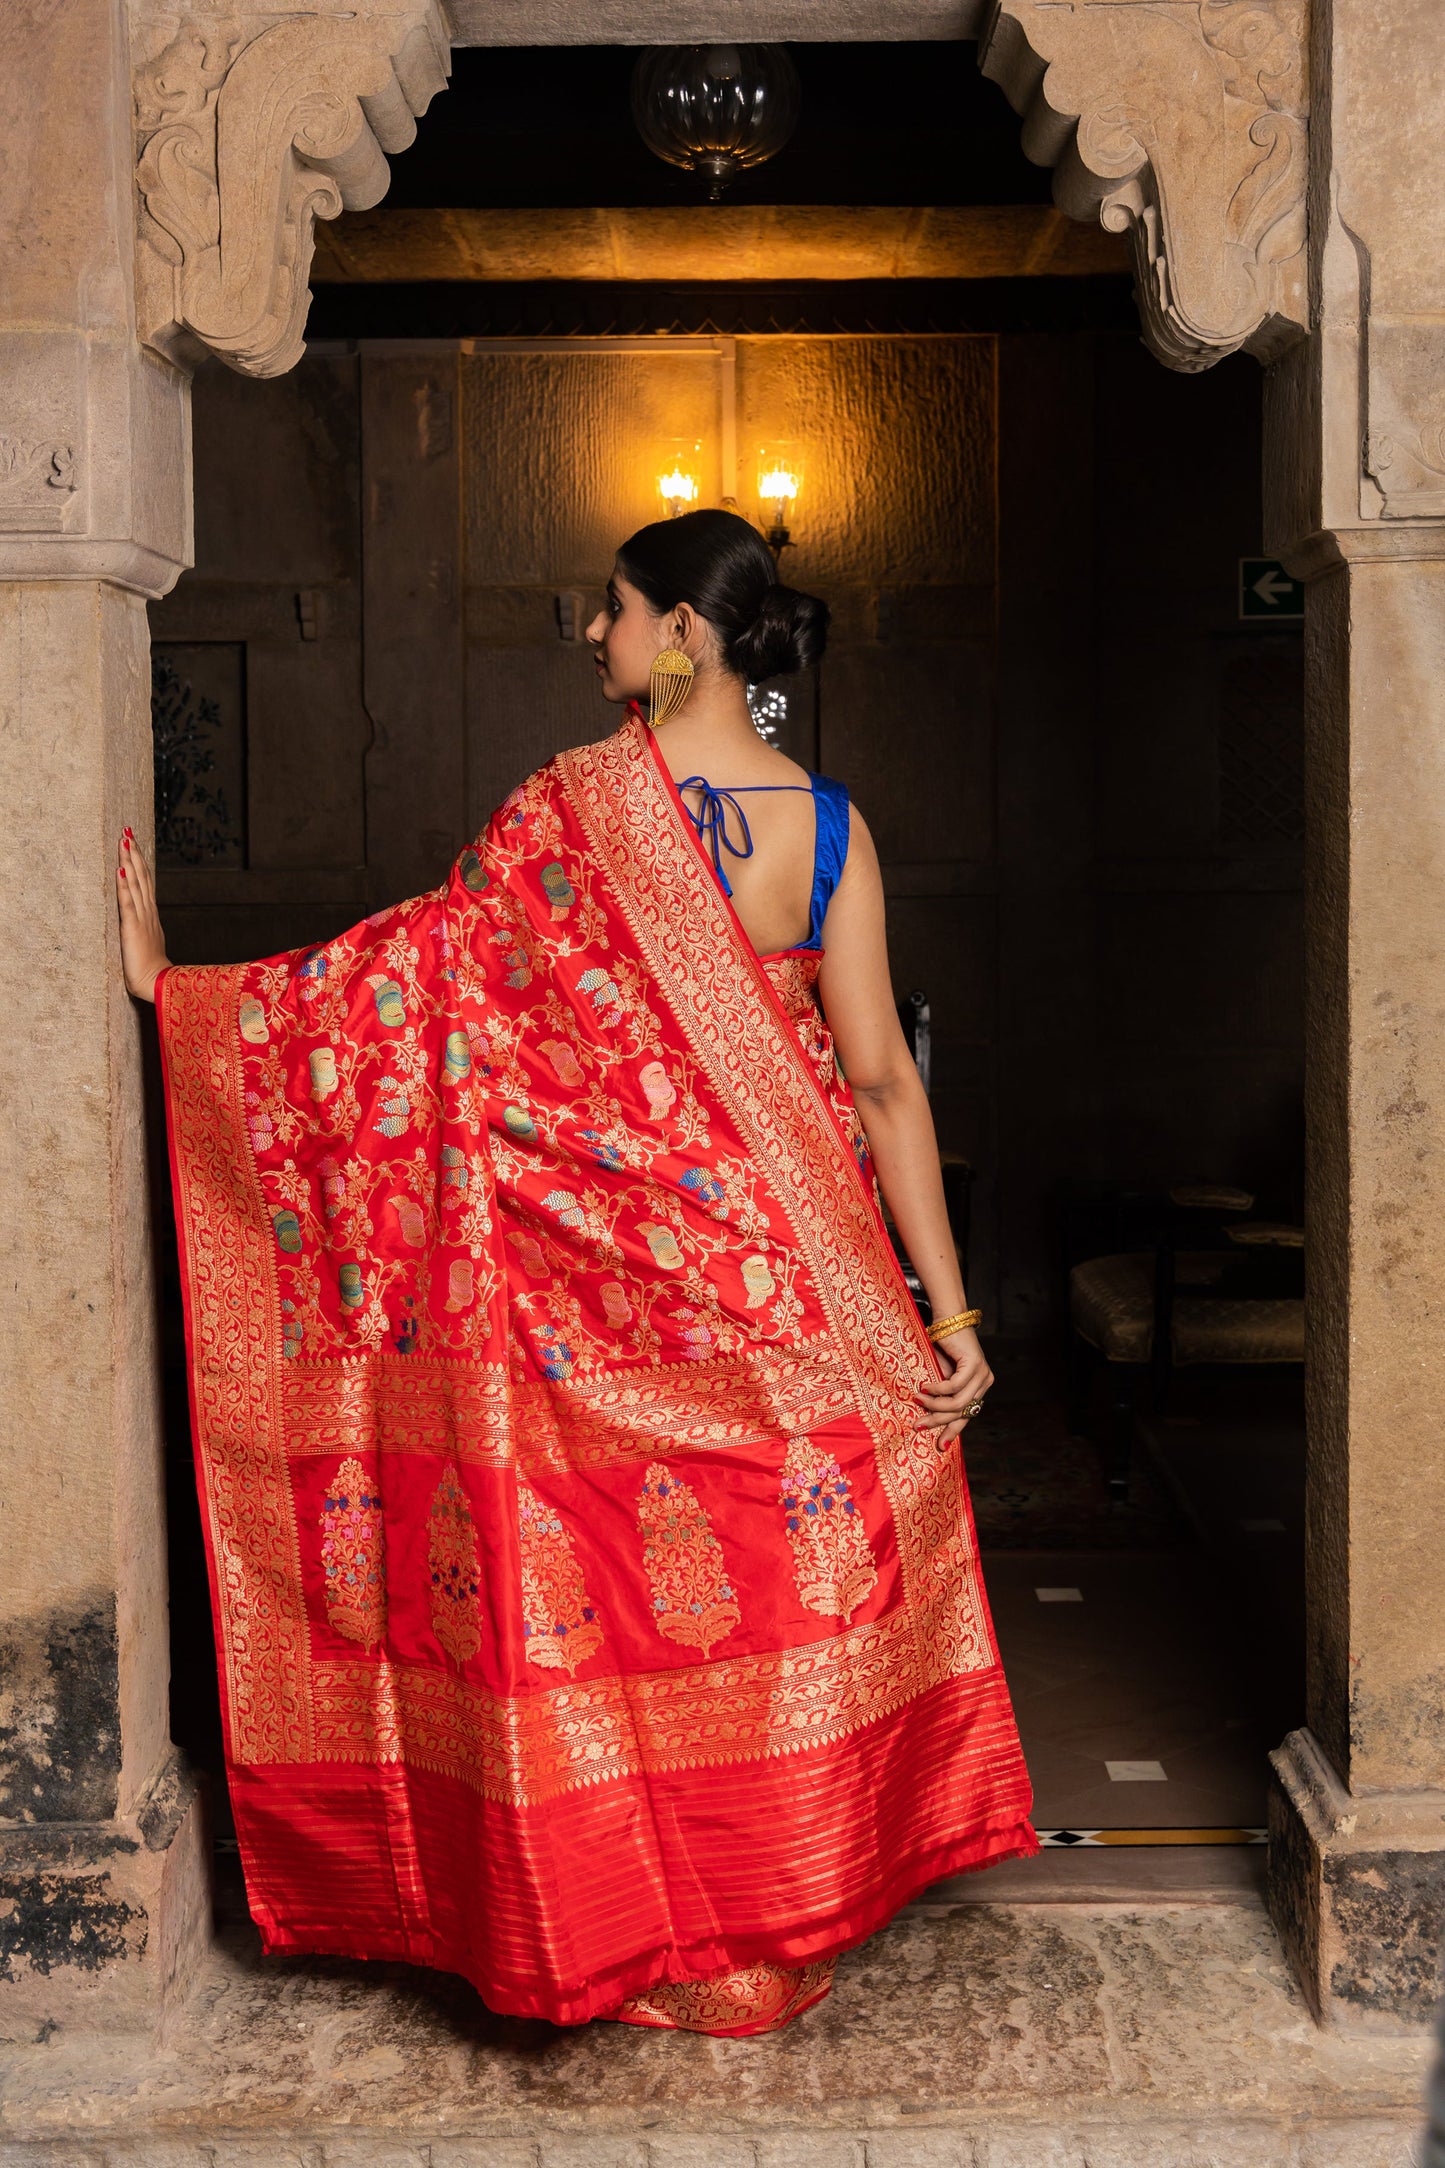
column 975, row 1407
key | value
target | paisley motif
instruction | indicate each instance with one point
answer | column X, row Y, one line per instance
column 832, row 1557
column 452, row 1560
column 615, row 1306
column 692, row 1599
column 560, row 1628
column 353, row 1556
column 410, row 1220
column 602, row 992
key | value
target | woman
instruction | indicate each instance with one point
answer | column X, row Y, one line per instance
column 597, row 1600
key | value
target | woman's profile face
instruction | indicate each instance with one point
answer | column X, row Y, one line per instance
column 627, row 638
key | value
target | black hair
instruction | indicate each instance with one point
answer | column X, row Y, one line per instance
column 720, row 564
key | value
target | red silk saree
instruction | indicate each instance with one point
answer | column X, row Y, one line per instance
column 592, row 1618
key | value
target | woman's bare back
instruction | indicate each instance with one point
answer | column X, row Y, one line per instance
column 772, row 883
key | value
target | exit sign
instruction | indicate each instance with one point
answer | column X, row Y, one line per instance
column 1267, row 591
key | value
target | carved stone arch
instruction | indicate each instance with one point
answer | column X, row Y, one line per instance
column 248, row 133
column 1182, row 123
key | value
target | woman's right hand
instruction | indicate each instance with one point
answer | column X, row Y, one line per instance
column 142, row 944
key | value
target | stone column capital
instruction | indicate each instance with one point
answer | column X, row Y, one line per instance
column 1311, row 556
column 1180, row 123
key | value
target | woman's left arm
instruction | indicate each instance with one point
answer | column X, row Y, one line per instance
column 857, row 995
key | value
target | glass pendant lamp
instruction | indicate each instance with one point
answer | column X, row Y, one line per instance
column 715, row 109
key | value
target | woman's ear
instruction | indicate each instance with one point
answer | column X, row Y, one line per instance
column 691, row 632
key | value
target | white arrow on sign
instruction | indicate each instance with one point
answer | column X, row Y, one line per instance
column 1272, row 587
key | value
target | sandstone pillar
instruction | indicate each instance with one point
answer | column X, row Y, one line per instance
column 102, row 1884
column 1356, row 441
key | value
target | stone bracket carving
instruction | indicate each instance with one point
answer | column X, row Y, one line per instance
column 248, row 135
column 1182, row 124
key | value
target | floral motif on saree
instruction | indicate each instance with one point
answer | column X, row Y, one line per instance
column 832, row 1560
column 452, row 1558
column 531, row 1265
column 559, row 1626
column 353, row 1556
column 692, row 1598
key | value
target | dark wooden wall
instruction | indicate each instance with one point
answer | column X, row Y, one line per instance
column 1083, row 773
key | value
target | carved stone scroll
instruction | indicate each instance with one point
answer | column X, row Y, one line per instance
column 248, row 136
column 1181, row 123
column 37, row 485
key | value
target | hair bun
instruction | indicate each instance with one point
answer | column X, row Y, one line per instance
column 789, row 633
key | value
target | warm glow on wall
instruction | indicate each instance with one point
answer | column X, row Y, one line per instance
column 679, row 480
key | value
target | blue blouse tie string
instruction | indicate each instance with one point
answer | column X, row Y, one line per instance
column 830, row 841
column 711, row 821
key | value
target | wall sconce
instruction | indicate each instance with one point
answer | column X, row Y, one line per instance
column 679, row 479
column 780, row 477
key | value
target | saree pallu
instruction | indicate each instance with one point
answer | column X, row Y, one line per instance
column 593, row 1618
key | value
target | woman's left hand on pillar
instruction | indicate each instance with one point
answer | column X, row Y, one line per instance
column 142, row 943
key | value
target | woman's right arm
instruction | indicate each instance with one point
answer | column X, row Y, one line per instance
column 142, row 943
column 857, row 997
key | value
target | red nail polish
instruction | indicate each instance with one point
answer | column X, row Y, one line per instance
column 122, row 872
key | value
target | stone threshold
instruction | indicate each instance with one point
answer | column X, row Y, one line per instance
column 966, row 2035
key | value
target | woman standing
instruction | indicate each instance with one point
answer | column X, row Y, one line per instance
column 597, row 1599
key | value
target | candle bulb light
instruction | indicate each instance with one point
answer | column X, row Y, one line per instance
column 780, row 478
column 679, row 479
column 678, row 491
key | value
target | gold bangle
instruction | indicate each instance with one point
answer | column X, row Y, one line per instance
column 941, row 1327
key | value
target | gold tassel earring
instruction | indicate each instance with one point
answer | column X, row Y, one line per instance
column 669, row 682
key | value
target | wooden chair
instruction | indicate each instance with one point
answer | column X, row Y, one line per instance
column 1211, row 1287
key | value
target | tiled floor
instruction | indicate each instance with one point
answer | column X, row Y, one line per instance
column 1183, row 1660
column 1141, row 1672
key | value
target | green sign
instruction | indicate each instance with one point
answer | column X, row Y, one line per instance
column 1266, row 590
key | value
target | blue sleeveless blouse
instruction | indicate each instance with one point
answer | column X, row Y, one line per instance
column 830, row 841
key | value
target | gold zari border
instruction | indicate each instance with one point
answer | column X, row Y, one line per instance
column 406, row 1404
column 232, row 1308
column 526, row 1747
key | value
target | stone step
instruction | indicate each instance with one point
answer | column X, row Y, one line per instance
column 1140, row 2144
column 965, row 2035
